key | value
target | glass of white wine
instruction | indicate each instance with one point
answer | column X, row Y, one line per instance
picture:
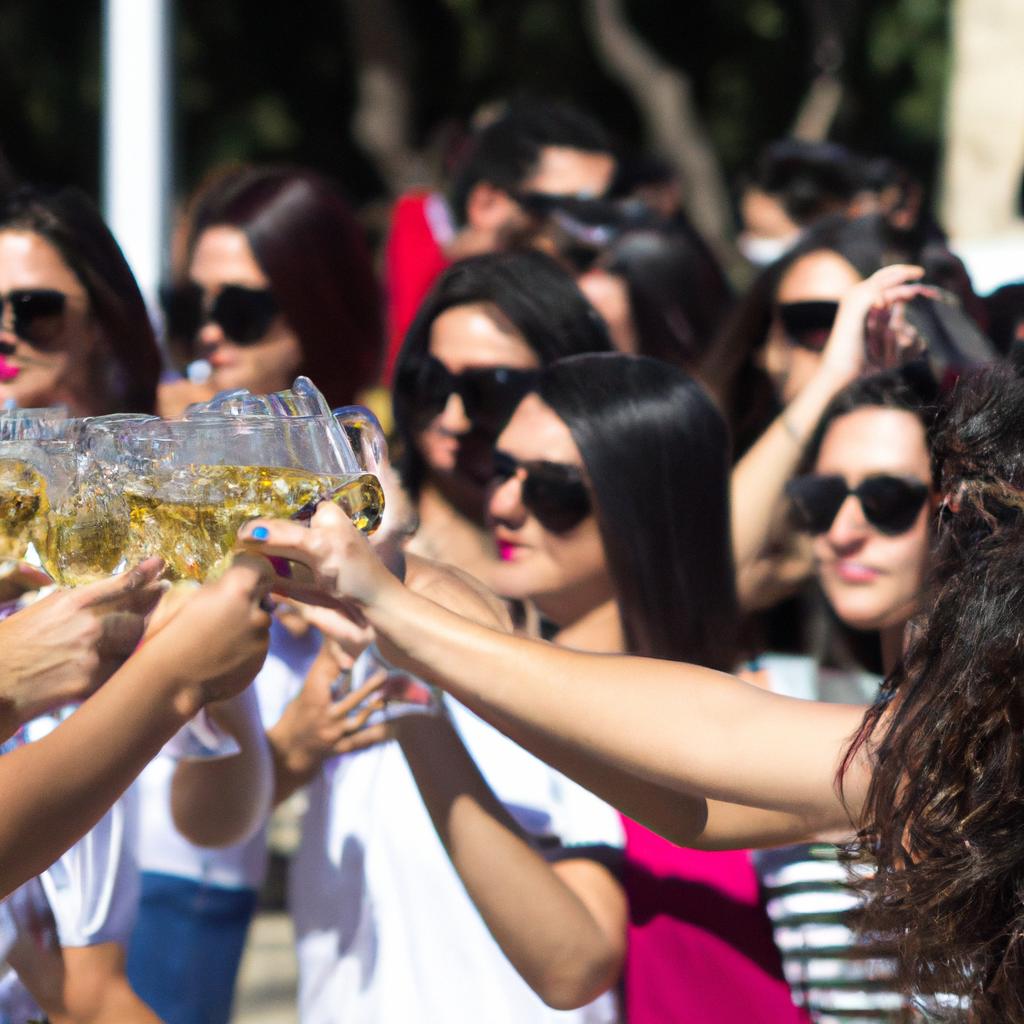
column 194, row 483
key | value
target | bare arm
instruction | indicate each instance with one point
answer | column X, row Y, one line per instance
column 562, row 926
column 615, row 724
column 56, row 789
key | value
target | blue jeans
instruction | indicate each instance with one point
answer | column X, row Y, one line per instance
column 184, row 953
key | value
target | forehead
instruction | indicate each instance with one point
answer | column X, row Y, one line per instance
column 223, row 256
column 874, row 440
column 564, row 171
column 479, row 335
column 817, row 275
column 27, row 260
column 536, row 434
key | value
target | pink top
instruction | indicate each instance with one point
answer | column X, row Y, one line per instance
column 700, row 946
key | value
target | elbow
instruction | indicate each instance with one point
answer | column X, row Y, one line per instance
column 577, row 981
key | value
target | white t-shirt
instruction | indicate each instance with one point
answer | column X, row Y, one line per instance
column 385, row 929
column 161, row 847
column 88, row 896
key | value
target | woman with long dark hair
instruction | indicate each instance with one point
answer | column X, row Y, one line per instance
column 593, row 516
column 929, row 777
column 280, row 283
column 73, row 325
column 472, row 352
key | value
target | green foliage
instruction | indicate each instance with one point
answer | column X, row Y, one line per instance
column 256, row 87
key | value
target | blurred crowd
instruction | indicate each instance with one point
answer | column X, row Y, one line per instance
column 796, row 463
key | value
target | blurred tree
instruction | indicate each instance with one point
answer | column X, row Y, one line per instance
column 287, row 83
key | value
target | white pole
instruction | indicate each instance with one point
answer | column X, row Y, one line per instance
column 137, row 150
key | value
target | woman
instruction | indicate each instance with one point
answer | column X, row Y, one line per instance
column 215, row 644
column 480, row 336
column 942, row 840
column 280, row 284
column 598, row 435
column 662, row 294
column 73, row 325
column 629, row 562
column 871, row 557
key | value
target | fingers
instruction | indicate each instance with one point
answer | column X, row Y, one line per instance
column 352, row 700
column 279, row 538
column 116, row 587
column 379, row 732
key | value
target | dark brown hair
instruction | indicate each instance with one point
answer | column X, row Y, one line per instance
column 944, row 816
column 307, row 241
column 126, row 380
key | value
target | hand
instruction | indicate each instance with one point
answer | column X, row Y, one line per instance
column 215, row 640
column 346, row 573
column 845, row 356
column 65, row 645
column 315, row 726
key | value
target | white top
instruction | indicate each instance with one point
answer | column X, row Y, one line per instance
column 87, row 897
column 161, row 847
column 386, row 932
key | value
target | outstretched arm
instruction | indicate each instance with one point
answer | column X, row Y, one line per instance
column 610, row 722
column 56, row 789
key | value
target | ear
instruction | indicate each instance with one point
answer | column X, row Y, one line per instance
column 488, row 207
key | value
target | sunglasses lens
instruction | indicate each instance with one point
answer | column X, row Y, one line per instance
column 430, row 384
column 183, row 310
column 816, row 500
column 890, row 504
column 38, row 316
column 503, row 467
column 808, row 324
column 244, row 314
column 559, row 501
column 491, row 396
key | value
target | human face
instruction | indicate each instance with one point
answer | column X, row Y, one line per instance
column 560, row 171
column 873, row 581
column 565, row 574
column 67, row 369
column 472, row 337
column 224, row 257
column 822, row 276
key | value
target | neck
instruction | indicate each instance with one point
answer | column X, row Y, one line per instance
column 597, row 630
column 892, row 638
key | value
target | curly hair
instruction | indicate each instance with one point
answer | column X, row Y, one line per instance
column 944, row 815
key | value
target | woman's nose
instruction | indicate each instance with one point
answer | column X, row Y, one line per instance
column 850, row 528
column 453, row 416
column 506, row 502
column 211, row 334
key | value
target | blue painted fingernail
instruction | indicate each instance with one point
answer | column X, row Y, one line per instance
column 259, row 533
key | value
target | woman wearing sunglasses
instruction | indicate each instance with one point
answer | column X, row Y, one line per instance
column 73, row 325
column 472, row 352
column 609, row 510
column 930, row 775
column 280, row 283
column 867, row 503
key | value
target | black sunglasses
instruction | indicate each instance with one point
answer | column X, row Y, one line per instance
column 489, row 394
column 552, row 492
column 808, row 324
column 243, row 314
column 890, row 503
column 37, row 315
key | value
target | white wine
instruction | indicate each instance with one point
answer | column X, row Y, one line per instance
column 22, row 503
column 85, row 538
column 192, row 518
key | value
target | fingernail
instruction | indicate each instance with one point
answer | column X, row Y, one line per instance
column 281, row 565
column 267, row 603
column 259, row 533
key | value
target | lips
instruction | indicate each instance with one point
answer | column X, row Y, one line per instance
column 855, row 572
column 507, row 550
column 8, row 371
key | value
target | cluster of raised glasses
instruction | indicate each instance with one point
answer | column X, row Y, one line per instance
column 90, row 496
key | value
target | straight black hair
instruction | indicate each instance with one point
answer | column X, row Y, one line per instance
column 656, row 452
column 531, row 290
